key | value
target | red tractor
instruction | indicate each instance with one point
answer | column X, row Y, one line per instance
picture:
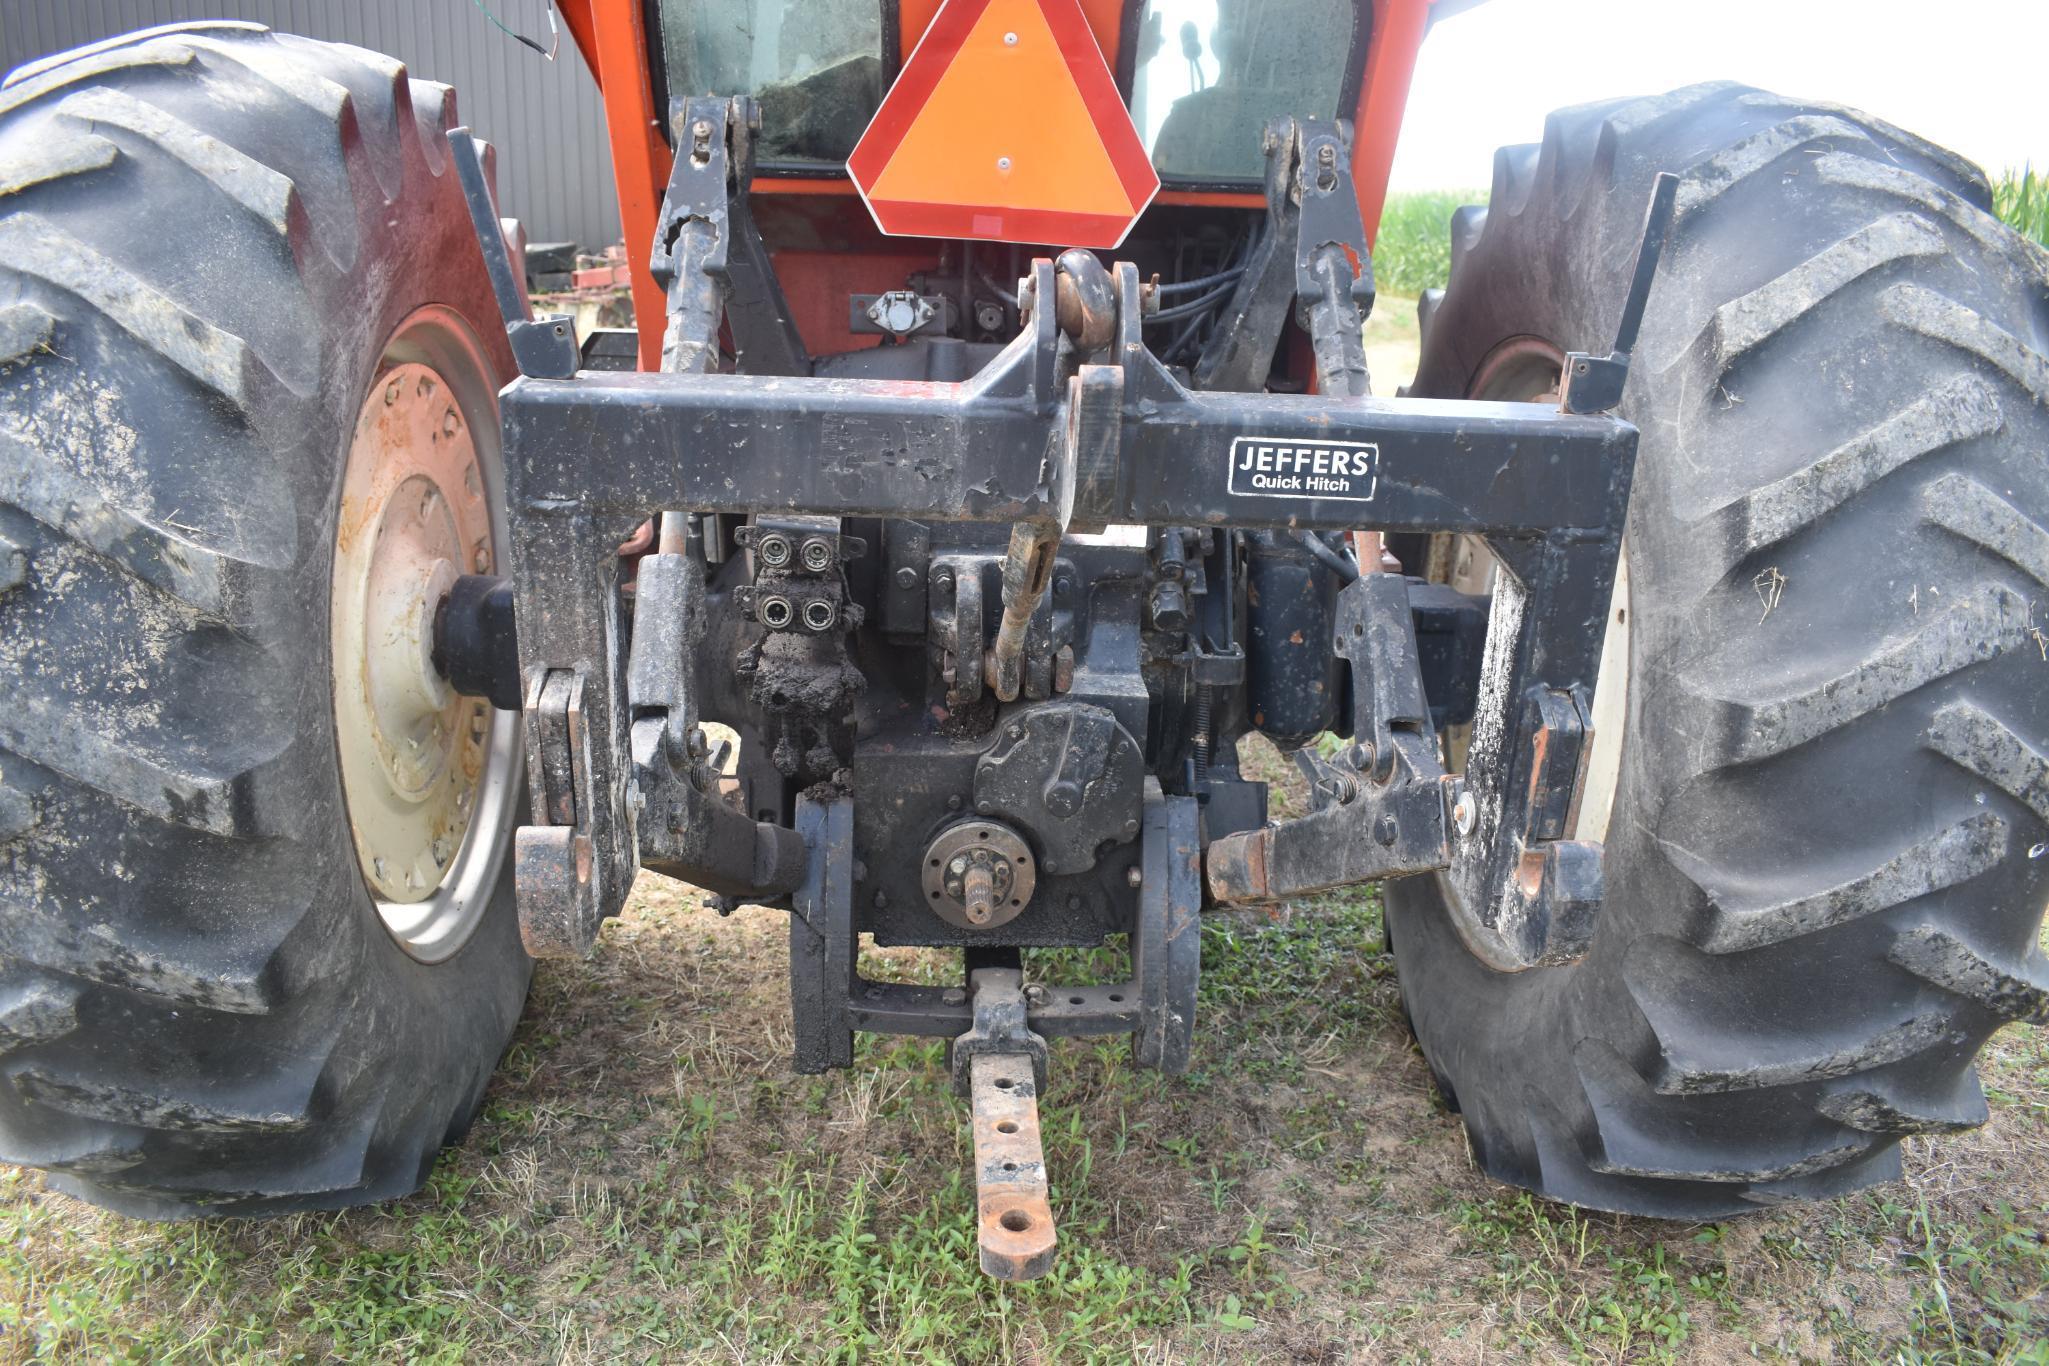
column 1000, row 452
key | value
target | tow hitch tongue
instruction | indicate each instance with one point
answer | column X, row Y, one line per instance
column 1002, row 1065
column 998, row 1026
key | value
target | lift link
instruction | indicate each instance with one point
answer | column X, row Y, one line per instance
column 1312, row 257
column 708, row 254
column 685, row 829
column 1385, row 805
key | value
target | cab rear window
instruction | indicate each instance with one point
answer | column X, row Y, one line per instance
column 815, row 66
column 1210, row 74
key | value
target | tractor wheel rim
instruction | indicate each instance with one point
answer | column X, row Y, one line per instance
column 427, row 774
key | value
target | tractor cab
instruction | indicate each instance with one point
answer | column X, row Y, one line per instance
column 1146, row 135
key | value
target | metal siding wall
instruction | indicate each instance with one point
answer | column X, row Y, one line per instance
column 546, row 120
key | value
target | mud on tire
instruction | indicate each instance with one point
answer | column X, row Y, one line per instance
column 1825, row 870
column 212, row 240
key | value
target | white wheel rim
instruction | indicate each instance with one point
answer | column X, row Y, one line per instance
column 1610, row 713
column 427, row 774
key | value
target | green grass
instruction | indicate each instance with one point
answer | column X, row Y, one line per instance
column 649, row 1182
column 2021, row 199
column 1413, row 251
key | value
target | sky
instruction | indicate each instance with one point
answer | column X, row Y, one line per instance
column 1972, row 75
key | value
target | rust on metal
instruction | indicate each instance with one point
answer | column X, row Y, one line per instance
column 1026, row 571
column 1237, row 868
column 978, row 891
column 1084, row 300
column 1014, row 1215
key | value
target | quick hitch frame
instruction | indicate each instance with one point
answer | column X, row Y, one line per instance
column 1075, row 424
column 1057, row 430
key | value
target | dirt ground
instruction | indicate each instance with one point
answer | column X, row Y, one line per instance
column 649, row 1181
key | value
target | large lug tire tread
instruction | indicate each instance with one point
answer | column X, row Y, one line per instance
column 1825, row 872
column 206, row 235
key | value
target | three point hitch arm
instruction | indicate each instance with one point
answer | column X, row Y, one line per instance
column 1072, row 426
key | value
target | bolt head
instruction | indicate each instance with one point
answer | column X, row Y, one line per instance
column 954, row 996
column 907, row 577
column 953, row 803
column 1003, row 163
column 1133, row 876
column 985, row 808
column 1465, row 813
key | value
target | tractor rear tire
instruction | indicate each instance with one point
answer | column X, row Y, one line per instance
column 1825, row 868
column 216, row 245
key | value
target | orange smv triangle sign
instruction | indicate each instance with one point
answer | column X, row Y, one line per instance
column 1005, row 125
